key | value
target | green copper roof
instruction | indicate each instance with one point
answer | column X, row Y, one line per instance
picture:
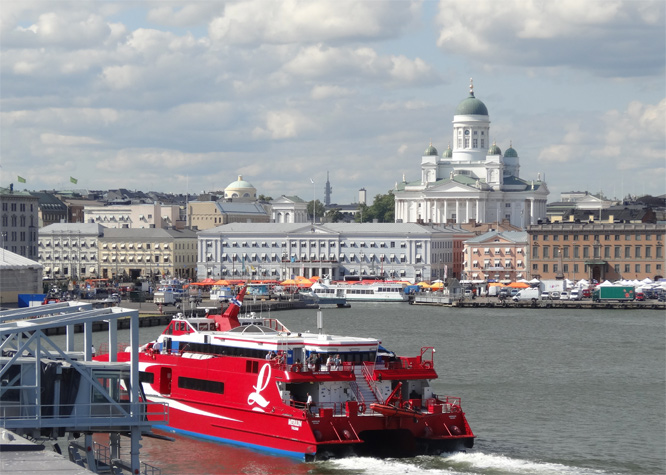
column 430, row 151
column 448, row 153
column 510, row 152
column 471, row 106
column 494, row 150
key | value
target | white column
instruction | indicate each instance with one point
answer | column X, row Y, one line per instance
column 446, row 212
column 532, row 211
column 466, row 211
column 477, row 202
column 457, row 211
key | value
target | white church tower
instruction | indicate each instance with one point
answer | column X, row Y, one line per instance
column 472, row 180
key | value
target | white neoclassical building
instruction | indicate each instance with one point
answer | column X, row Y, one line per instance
column 473, row 181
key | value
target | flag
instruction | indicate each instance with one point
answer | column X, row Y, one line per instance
column 73, row 180
column 21, row 179
column 236, row 302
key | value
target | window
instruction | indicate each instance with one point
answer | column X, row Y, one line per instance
column 638, row 268
column 565, row 252
column 648, row 252
column 545, row 237
column 575, row 268
column 201, row 385
column 627, row 253
column 535, row 252
column 638, row 237
column 556, row 237
column 546, row 252
column 659, row 252
column 607, row 252
column 617, row 268
column 586, row 252
column 618, row 252
column 576, row 250
column 565, row 268
column 627, row 267
column 575, row 238
column 637, row 252
column 648, row 268
column 545, row 267
column 586, row 237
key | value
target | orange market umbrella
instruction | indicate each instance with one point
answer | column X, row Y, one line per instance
column 314, row 278
column 437, row 285
column 222, row 282
column 289, row 282
column 518, row 285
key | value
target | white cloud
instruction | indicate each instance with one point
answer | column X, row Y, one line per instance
column 67, row 140
column 616, row 38
column 326, row 92
column 320, row 61
column 298, row 21
column 284, row 124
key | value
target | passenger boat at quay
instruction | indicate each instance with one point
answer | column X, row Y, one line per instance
column 250, row 381
column 362, row 291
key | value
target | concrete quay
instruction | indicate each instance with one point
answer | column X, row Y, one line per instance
column 491, row 302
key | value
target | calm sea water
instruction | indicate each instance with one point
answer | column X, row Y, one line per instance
column 546, row 392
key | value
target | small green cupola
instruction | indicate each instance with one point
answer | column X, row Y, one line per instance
column 494, row 150
column 510, row 152
column 448, row 153
column 430, row 151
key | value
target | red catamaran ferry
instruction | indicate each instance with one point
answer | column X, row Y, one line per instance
column 250, row 381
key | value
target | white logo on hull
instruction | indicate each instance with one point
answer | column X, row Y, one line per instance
column 263, row 378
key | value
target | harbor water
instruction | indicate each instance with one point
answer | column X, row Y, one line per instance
column 558, row 391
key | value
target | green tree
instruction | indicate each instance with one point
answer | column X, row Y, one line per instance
column 334, row 215
column 319, row 209
column 382, row 209
column 265, row 198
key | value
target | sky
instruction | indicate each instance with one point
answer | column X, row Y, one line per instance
column 180, row 97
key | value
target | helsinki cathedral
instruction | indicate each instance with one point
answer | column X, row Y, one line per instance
column 473, row 181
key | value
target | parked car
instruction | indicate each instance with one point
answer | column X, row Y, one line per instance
column 545, row 295
column 564, row 295
column 575, row 294
column 503, row 293
column 640, row 296
column 527, row 294
column 586, row 293
column 555, row 295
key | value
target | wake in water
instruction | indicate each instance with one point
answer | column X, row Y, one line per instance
column 456, row 463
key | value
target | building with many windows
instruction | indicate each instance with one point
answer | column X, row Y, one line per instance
column 136, row 216
column 403, row 251
column 151, row 253
column 70, row 250
column 19, row 222
column 496, row 257
column 473, row 180
column 597, row 251
column 209, row 214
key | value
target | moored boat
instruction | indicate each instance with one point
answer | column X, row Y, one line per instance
column 362, row 291
column 251, row 381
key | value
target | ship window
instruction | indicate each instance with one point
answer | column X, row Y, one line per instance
column 146, row 377
column 204, row 385
column 251, row 366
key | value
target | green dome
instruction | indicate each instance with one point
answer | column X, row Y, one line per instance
column 510, row 153
column 448, row 153
column 430, row 151
column 471, row 106
column 494, row 150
